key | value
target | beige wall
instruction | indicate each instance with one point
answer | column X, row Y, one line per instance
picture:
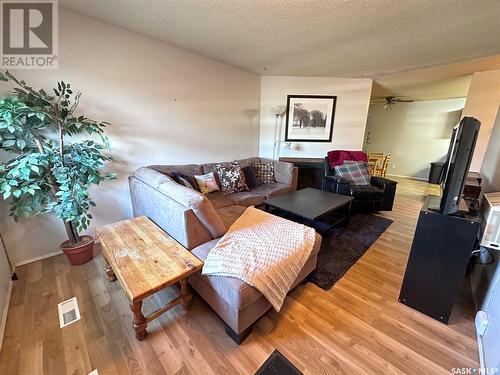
column 167, row 105
column 490, row 169
column 353, row 96
column 414, row 134
column 4, row 289
column 482, row 103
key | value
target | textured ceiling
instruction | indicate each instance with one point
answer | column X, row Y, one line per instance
column 316, row 37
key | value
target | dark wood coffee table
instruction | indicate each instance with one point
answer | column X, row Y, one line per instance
column 319, row 209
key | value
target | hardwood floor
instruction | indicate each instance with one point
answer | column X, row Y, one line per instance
column 357, row 327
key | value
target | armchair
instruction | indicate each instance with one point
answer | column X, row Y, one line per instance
column 378, row 196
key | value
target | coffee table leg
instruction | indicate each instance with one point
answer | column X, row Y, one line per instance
column 185, row 295
column 109, row 271
column 139, row 322
column 348, row 213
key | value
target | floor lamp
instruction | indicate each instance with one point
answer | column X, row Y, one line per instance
column 277, row 111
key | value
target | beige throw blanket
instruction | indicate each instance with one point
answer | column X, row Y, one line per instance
column 265, row 251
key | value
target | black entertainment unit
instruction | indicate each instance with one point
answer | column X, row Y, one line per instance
column 439, row 256
column 445, row 237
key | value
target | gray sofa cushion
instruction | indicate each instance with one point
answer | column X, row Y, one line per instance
column 187, row 169
column 247, row 198
column 209, row 167
column 218, row 199
column 229, row 214
column 248, row 161
column 200, row 205
column 271, row 190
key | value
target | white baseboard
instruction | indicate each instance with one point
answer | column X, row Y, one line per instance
column 23, row 262
column 48, row 255
column 5, row 311
column 410, row 177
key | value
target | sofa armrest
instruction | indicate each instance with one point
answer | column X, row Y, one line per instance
column 381, row 182
column 389, row 187
column 336, row 179
column 295, row 179
column 336, row 185
column 326, row 166
column 199, row 203
column 151, row 177
column 173, row 217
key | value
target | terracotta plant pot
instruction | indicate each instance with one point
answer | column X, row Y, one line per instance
column 80, row 253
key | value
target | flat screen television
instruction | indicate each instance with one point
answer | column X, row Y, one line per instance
column 456, row 167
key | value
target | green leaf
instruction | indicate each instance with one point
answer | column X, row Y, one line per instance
column 7, row 116
column 9, row 143
column 21, row 143
column 35, row 169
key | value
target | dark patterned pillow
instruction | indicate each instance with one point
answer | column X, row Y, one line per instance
column 187, row 181
column 264, row 172
column 354, row 172
column 250, row 177
column 231, row 177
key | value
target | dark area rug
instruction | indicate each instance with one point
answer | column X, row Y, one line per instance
column 277, row 364
column 342, row 247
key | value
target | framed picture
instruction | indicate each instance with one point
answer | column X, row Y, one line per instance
column 309, row 118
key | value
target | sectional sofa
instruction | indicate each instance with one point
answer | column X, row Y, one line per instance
column 197, row 221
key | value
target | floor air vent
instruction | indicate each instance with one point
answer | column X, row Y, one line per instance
column 68, row 312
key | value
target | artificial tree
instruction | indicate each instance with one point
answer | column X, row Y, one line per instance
column 47, row 173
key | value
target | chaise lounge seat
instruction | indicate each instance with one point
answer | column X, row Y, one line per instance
column 236, row 302
column 197, row 222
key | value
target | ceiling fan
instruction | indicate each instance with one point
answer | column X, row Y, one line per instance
column 390, row 101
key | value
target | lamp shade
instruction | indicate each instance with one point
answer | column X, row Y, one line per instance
column 278, row 110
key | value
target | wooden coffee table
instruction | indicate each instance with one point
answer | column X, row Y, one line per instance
column 146, row 260
column 319, row 209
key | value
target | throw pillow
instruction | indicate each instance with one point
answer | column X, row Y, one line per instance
column 250, row 177
column 354, row 172
column 264, row 172
column 207, row 182
column 232, row 179
column 187, row 181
